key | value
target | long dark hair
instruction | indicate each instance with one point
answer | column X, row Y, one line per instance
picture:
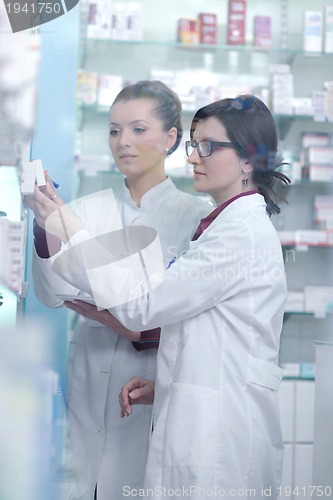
column 251, row 128
column 168, row 106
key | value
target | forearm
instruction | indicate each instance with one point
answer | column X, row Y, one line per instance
column 116, row 326
column 46, row 245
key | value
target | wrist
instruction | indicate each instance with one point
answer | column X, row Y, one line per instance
column 46, row 244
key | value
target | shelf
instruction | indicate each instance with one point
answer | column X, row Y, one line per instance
column 281, row 120
column 308, row 182
column 306, row 245
column 298, row 371
column 314, row 314
column 92, row 42
column 306, row 238
column 322, row 343
column 95, row 109
column 160, row 53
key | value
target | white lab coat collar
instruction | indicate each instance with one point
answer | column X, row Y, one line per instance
column 239, row 206
column 152, row 196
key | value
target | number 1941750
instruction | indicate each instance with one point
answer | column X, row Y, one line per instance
column 34, row 8
column 305, row 491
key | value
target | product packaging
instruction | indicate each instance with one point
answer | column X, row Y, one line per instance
column 302, row 106
column 207, row 28
column 329, row 100
column 134, row 21
column 236, row 22
column 262, row 32
column 313, row 31
column 319, row 105
column 319, row 173
column 328, row 29
column 281, row 91
column 119, row 21
column 109, row 87
column 315, row 139
column 99, row 19
column 318, row 298
column 295, row 302
column 319, row 155
column 86, row 87
column 187, row 31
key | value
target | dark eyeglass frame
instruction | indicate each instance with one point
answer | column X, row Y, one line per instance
column 213, row 145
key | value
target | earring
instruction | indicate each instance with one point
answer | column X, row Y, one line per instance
column 166, row 151
column 245, row 181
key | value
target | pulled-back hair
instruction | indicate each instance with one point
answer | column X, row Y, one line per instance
column 251, row 128
column 168, row 106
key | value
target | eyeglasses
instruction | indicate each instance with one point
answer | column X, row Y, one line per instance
column 205, row 148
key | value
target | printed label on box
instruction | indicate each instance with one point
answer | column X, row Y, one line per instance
column 236, row 22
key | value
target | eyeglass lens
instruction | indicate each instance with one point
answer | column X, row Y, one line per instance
column 204, row 148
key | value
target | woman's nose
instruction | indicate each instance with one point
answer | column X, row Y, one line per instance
column 194, row 157
column 125, row 138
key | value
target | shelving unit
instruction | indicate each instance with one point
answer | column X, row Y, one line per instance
column 244, row 67
column 19, row 53
column 27, row 382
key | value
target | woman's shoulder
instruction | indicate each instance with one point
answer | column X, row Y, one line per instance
column 192, row 201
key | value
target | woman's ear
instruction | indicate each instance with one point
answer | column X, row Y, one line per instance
column 246, row 166
column 171, row 138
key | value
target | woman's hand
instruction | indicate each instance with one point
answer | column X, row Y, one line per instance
column 136, row 391
column 55, row 216
column 39, row 205
column 102, row 316
column 51, row 212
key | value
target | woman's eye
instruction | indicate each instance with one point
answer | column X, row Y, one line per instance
column 139, row 130
column 114, row 132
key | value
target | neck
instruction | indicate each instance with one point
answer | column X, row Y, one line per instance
column 221, row 198
column 139, row 185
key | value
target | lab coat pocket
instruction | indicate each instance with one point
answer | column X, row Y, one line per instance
column 264, row 380
column 190, row 435
column 264, row 374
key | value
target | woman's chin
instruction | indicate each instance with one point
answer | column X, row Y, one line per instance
column 196, row 187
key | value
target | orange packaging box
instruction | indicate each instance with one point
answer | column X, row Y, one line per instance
column 187, row 31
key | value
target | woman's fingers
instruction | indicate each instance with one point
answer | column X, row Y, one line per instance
column 136, row 391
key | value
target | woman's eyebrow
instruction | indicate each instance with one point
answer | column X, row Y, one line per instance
column 140, row 120
column 209, row 138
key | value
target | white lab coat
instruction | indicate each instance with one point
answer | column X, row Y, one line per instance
column 113, row 451
column 216, row 416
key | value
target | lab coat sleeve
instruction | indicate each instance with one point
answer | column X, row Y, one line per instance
column 48, row 284
column 212, row 270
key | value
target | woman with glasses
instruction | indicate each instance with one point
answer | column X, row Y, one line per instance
column 215, row 429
